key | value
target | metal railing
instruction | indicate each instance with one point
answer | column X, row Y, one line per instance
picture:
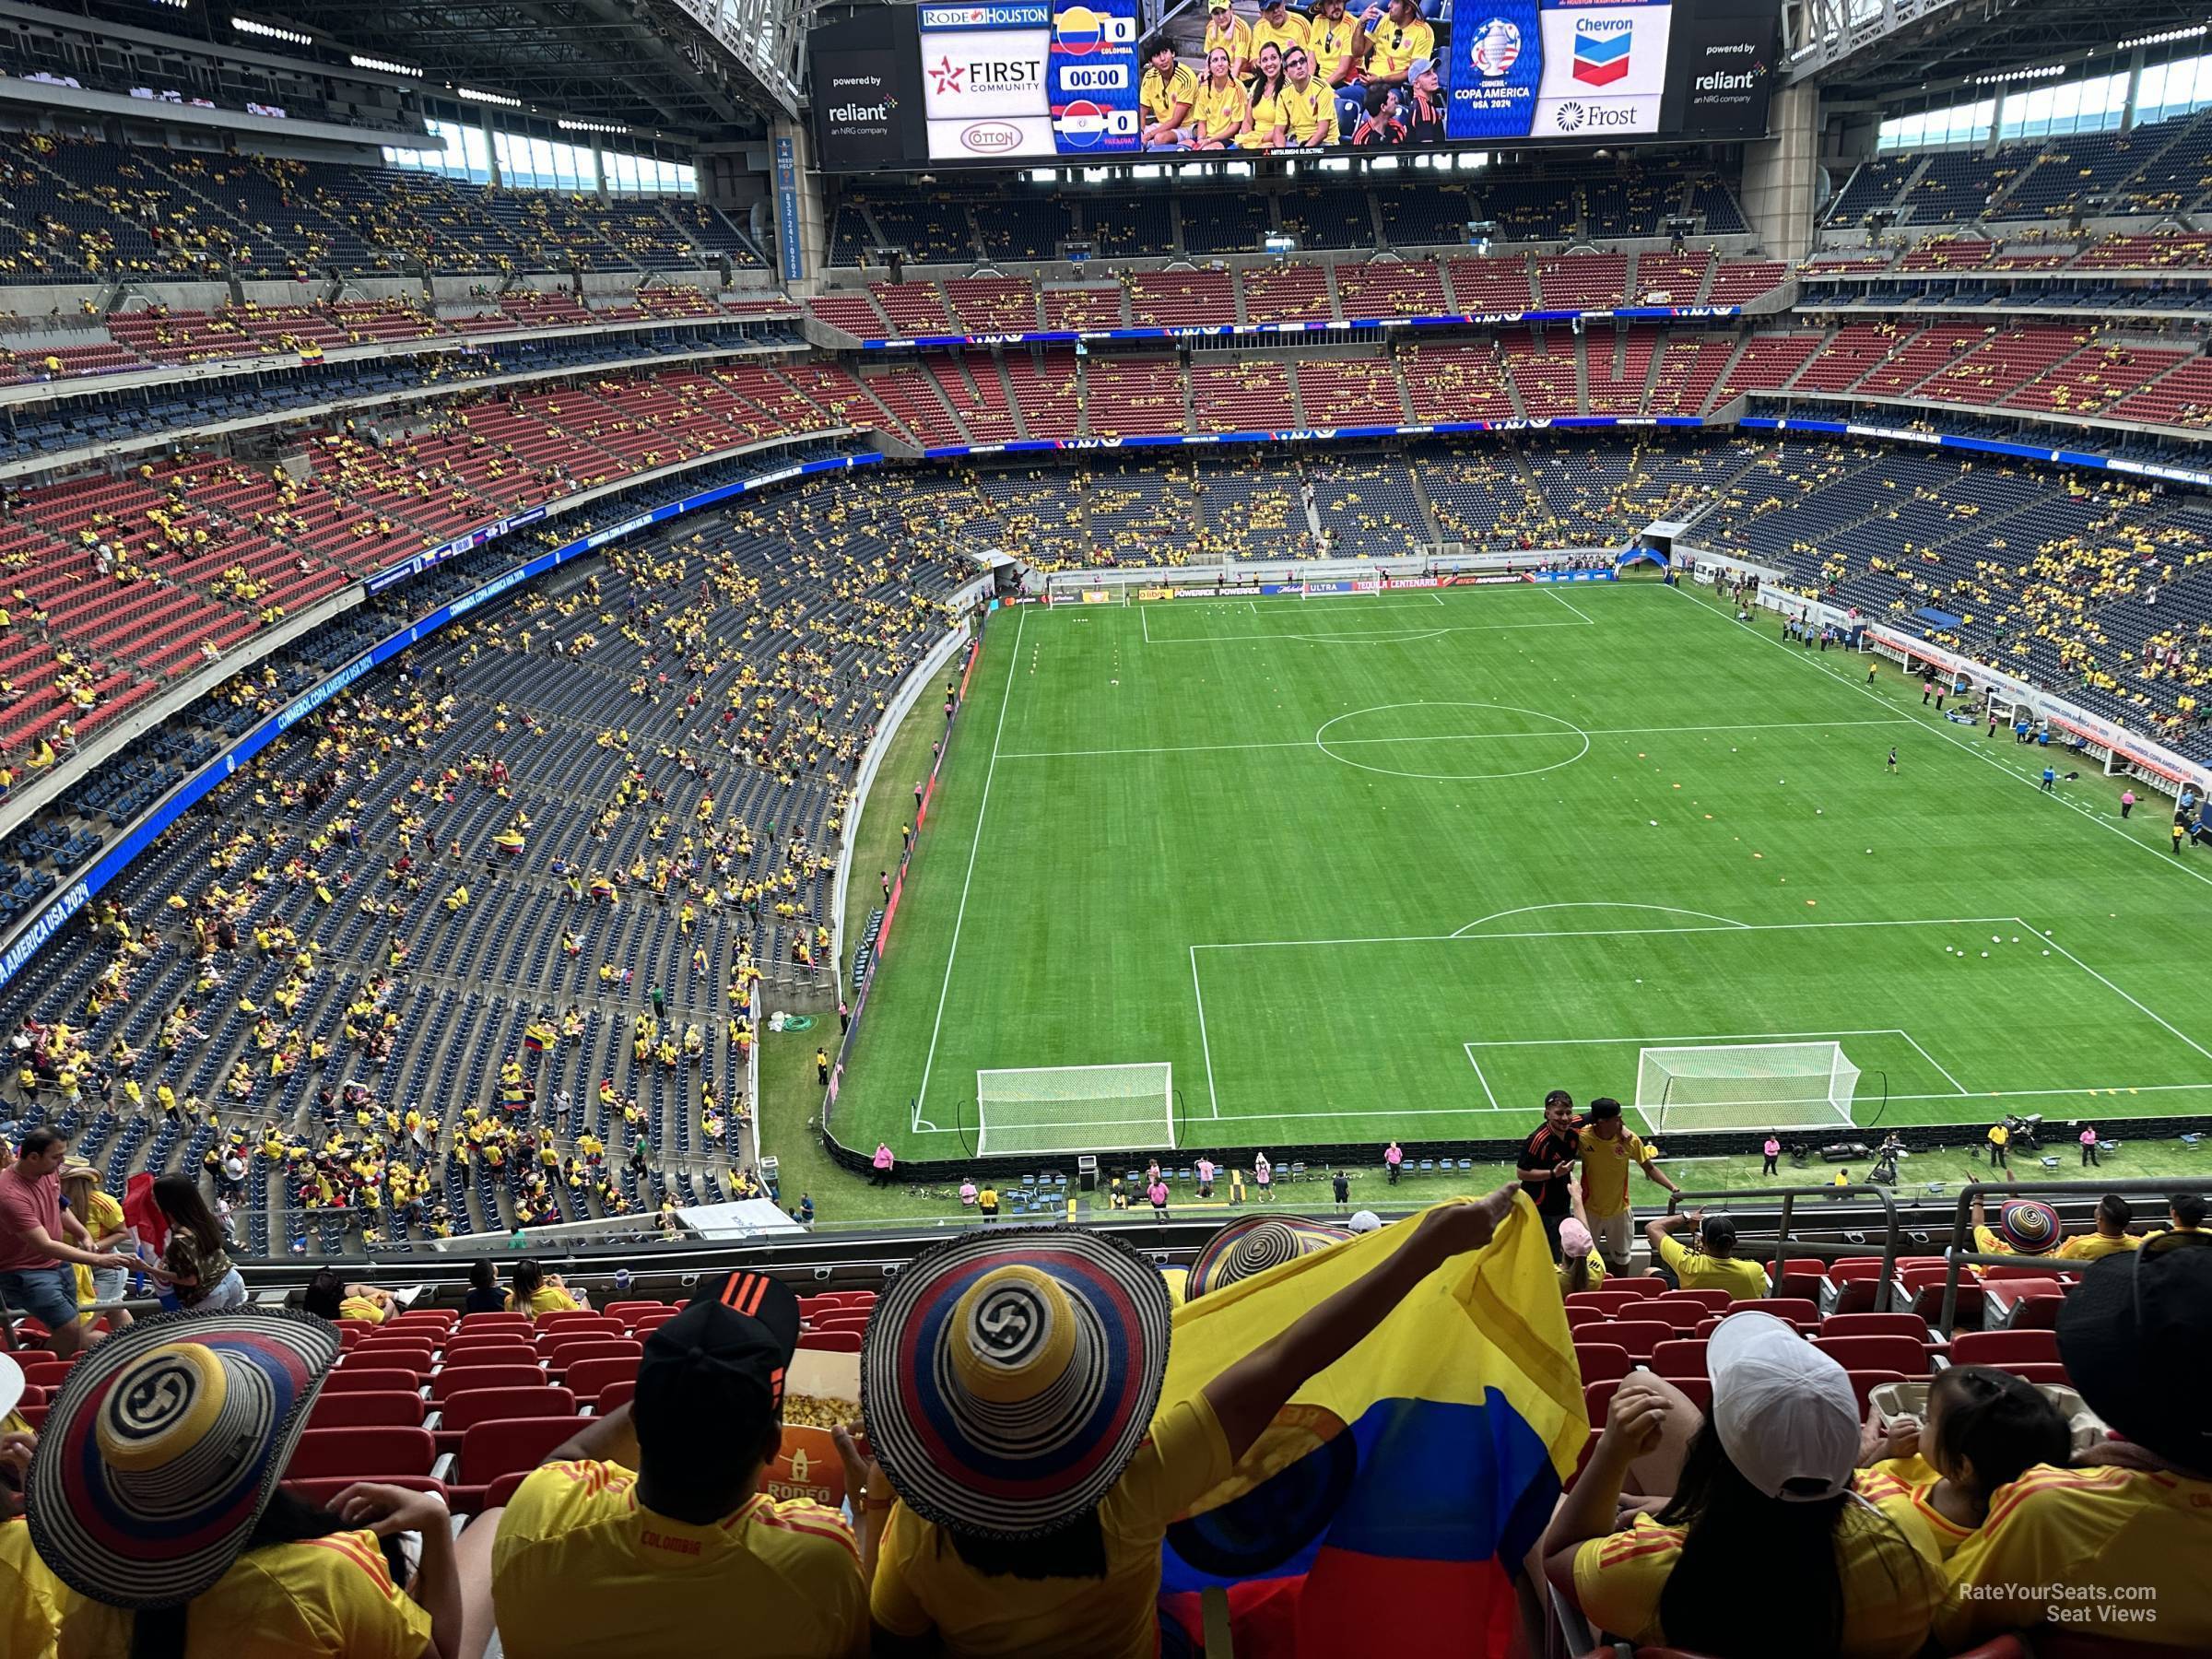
column 1733, row 1198
column 1961, row 1223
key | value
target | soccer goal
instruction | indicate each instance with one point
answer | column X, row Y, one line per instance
column 1746, row 1086
column 1075, row 1109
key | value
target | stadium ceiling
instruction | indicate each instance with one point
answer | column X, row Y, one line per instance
column 702, row 69
column 1871, row 49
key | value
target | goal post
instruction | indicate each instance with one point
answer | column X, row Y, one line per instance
column 1055, row 1109
column 1746, row 1086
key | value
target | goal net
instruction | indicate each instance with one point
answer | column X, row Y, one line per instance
column 1075, row 1109
column 1746, row 1086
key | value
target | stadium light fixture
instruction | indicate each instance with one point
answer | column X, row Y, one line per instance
column 567, row 125
column 2164, row 36
column 383, row 65
column 269, row 31
column 500, row 98
column 2005, row 78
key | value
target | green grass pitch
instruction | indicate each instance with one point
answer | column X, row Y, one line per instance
column 1395, row 866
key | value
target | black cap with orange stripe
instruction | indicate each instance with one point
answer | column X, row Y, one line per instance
column 722, row 1358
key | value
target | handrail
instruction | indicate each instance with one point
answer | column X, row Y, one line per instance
column 1789, row 1195
column 2158, row 1186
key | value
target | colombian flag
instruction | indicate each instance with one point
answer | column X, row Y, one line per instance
column 1406, row 1481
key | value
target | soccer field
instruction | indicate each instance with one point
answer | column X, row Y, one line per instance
column 1393, row 867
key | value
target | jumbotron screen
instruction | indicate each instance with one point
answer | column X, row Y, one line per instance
column 1027, row 81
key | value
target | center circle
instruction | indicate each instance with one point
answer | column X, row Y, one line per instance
column 1452, row 741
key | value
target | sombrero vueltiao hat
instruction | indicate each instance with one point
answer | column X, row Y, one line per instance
column 165, row 1446
column 1253, row 1244
column 1008, row 1377
column 2029, row 1225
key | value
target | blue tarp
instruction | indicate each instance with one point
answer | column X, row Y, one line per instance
column 1937, row 619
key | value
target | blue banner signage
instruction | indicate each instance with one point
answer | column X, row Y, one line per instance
column 1213, row 331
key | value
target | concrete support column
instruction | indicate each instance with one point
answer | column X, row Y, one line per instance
column 1782, row 174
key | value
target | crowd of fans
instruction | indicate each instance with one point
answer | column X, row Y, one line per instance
column 1022, row 1452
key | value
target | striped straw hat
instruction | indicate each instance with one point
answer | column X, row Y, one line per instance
column 165, row 1446
column 1008, row 1377
column 1252, row 1245
column 2029, row 1225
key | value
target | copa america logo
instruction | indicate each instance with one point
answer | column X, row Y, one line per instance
column 1497, row 46
column 1567, row 117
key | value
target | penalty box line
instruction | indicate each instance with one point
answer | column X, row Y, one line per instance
column 1958, row 1088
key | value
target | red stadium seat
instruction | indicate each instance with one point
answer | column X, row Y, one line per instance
column 464, row 1411
column 831, row 1342
column 1798, row 1311
column 627, row 1313
column 561, row 1318
column 500, row 1445
column 1682, row 1357
column 1864, row 1383
column 613, row 1398
column 587, row 1377
column 1607, row 1298
column 1875, row 1353
column 320, row 1489
column 440, row 1319
column 1874, row 1324
column 2039, row 1370
column 1597, row 1399
column 35, row 1416
column 1602, row 1361
column 402, row 1408
column 460, row 1357
column 449, row 1383
column 1711, row 1302
column 361, row 1454
column 350, row 1378
column 559, row 1360
column 1639, row 1337
column 496, row 1322
column 1637, row 1286
column 2005, row 1350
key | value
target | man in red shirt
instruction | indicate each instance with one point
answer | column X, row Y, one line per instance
column 36, row 1273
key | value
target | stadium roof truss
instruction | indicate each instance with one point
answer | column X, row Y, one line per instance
column 708, row 69
column 1866, row 48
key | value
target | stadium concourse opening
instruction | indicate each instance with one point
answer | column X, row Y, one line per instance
column 1393, row 868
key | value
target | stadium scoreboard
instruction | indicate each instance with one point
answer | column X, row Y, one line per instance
column 1018, row 82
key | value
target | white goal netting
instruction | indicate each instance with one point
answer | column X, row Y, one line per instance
column 1746, row 1086
column 1075, row 1109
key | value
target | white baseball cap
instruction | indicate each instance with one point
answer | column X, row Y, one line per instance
column 1783, row 1410
column 1364, row 1221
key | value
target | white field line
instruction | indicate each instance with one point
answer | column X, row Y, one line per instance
column 960, row 915
column 1530, row 1112
column 1208, row 749
column 1205, row 1045
column 1690, row 1037
column 1603, row 932
column 1552, row 589
column 1487, row 1094
column 1941, row 729
column 1938, row 1064
column 2108, row 985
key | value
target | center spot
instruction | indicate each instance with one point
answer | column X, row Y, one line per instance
column 1453, row 740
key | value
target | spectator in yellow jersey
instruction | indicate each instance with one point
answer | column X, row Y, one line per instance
column 1033, row 1497
column 1309, row 109
column 1983, row 1428
column 1609, row 1150
column 1336, row 42
column 1712, row 1264
column 1263, row 127
column 537, row 1292
column 1221, row 108
column 1770, row 1479
column 2113, row 1214
column 1397, row 36
column 1580, row 1268
column 2025, row 1226
column 644, row 1531
column 154, row 1499
column 1164, row 93
column 2184, row 1214
column 2132, row 1526
column 1279, row 27
column 1232, row 34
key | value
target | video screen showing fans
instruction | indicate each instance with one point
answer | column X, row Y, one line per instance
column 1011, row 80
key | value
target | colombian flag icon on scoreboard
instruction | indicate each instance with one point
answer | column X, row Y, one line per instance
column 1600, row 51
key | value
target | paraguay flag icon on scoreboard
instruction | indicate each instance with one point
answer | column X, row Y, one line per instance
column 1601, row 50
